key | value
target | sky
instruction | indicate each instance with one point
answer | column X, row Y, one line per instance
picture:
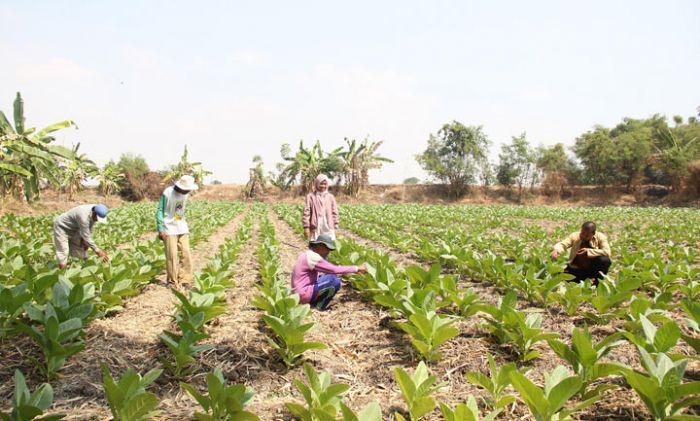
column 234, row 79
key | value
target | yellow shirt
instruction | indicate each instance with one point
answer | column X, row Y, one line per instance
column 599, row 246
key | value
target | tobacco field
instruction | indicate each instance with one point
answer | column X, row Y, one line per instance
column 461, row 315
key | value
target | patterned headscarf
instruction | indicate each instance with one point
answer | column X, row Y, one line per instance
column 320, row 178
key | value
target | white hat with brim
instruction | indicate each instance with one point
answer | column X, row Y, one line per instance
column 186, row 182
column 324, row 239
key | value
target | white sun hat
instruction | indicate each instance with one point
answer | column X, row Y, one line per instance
column 186, row 182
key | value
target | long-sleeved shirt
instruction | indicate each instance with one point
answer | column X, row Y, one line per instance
column 599, row 246
column 313, row 207
column 305, row 273
column 170, row 216
column 78, row 221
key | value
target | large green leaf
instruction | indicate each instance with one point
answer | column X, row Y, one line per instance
column 15, row 169
column 55, row 127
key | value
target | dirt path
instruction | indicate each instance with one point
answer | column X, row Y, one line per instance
column 361, row 350
column 129, row 339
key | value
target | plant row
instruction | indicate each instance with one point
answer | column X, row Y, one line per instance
column 284, row 315
column 203, row 303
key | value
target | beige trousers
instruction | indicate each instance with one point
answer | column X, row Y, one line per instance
column 178, row 271
column 68, row 244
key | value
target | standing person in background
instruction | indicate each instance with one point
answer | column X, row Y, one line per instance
column 173, row 230
column 320, row 211
column 72, row 232
column 589, row 257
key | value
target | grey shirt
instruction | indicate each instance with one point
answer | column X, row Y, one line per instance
column 77, row 221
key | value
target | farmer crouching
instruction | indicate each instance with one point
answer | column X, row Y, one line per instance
column 589, row 257
column 312, row 289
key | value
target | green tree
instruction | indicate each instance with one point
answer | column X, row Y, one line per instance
column 304, row 166
column 257, row 181
column 185, row 167
column 109, row 177
column 411, row 180
column 358, row 159
column 456, row 155
column 595, row 150
column 517, row 164
column 674, row 155
column 556, row 167
column 133, row 165
column 631, row 155
column 75, row 171
column 27, row 158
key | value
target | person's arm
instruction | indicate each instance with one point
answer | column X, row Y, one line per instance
column 86, row 235
column 564, row 244
column 306, row 215
column 327, row 267
column 334, row 211
column 160, row 214
column 603, row 248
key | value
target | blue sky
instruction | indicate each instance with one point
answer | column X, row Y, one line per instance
column 235, row 79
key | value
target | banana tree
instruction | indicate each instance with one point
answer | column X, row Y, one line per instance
column 358, row 159
column 75, row 171
column 27, row 158
column 308, row 163
column 185, row 167
column 109, row 178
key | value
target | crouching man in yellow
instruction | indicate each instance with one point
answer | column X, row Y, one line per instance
column 173, row 230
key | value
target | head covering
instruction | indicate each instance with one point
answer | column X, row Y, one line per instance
column 186, row 182
column 324, row 239
column 320, row 178
column 100, row 212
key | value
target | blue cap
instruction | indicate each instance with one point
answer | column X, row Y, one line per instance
column 101, row 212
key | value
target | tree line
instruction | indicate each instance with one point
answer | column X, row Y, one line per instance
column 30, row 162
column 634, row 152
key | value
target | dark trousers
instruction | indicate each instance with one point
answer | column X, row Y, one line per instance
column 599, row 267
column 324, row 290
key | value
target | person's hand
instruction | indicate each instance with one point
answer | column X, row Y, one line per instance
column 307, row 233
column 555, row 255
column 103, row 255
column 162, row 235
column 582, row 251
column 362, row 269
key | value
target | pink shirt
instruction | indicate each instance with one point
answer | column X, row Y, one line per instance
column 312, row 207
column 305, row 273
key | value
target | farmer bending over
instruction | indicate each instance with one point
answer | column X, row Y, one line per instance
column 173, row 230
column 72, row 232
column 312, row 289
column 589, row 257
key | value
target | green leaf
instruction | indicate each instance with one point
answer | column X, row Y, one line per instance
column 667, row 337
column 15, row 169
